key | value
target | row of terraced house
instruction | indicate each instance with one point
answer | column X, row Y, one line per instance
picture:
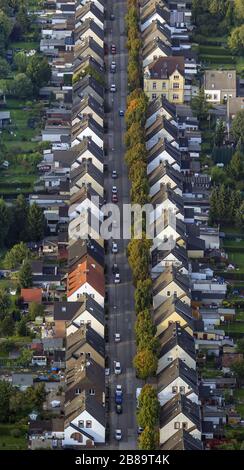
column 184, row 285
column 71, row 170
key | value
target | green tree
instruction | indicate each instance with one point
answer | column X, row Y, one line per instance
column 239, row 216
column 149, row 407
column 238, row 369
column 145, row 331
column 134, row 135
column 21, row 61
column 6, row 26
column 219, row 133
column 7, row 326
column 25, row 274
column 145, row 363
column 239, row 9
column 25, row 355
column 5, row 303
column 4, row 68
column 143, row 295
column 36, row 222
column 22, row 330
column 236, row 40
column 39, row 71
column 237, row 128
column 21, row 86
column 16, row 255
column 35, row 310
column 148, row 439
column 4, row 222
column 236, row 166
column 6, row 391
column 200, row 106
column 18, row 227
column 139, row 257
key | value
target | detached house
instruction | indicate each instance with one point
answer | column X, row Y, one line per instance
column 179, row 413
column 84, row 424
column 176, row 342
column 165, row 77
column 177, row 377
column 170, row 283
column 219, row 85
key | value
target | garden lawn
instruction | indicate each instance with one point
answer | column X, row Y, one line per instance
column 8, row 442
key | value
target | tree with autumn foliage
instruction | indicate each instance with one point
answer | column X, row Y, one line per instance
column 148, row 439
column 145, row 363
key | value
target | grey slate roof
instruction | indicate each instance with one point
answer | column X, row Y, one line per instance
column 177, row 369
column 177, row 405
column 175, row 335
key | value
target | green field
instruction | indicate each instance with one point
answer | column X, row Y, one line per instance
column 9, row 442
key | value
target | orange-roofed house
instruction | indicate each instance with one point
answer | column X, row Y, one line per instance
column 86, row 278
column 33, row 294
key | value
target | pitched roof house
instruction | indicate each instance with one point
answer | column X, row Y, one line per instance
column 179, row 413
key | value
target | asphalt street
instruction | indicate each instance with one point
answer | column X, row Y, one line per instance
column 121, row 316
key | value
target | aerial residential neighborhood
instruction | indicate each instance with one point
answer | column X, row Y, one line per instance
column 121, row 225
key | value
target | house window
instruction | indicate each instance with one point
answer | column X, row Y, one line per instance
column 229, row 75
column 177, row 425
column 170, row 359
column 175, row 293
column 154, row 85
column 88, row 322
column 77, row 391
column 185, row 425
column 81, row 322
column 154, row 96
column 182, row 389
column 176, row 77
column 164, row 85
column 92, row 391
column 164, row 95
column 174, row 389
column 176, row 85
column 88, row 423
column 81, row 424
column 175, row 97
column 168, row 293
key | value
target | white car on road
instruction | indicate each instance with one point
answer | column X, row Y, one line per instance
column 114, row 248
column 117, row 368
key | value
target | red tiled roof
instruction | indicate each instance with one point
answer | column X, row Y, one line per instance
column 31, row 295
